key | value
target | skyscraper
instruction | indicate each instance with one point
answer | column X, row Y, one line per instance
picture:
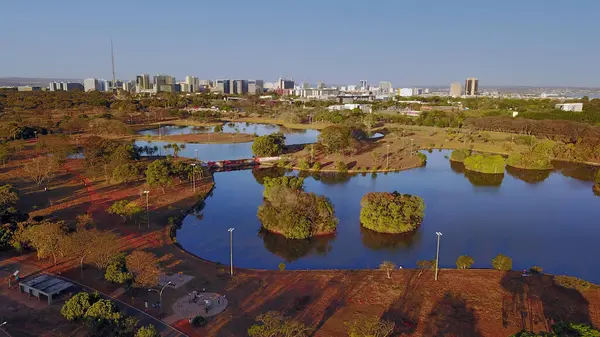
column 255, row 87
column 455, row 89
column 386, row 87
column 471, row 86
column 363, row 85
column 192, row 83
column 285, row 84
column 142, row 82
column 164, row 83
column 222, row 86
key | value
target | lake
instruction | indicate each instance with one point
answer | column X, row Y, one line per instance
column 213, row 152
column 549, row 219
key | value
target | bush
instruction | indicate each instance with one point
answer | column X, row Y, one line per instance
column 77, row 305
column 303, row 164
column 316, row 166
column 464, row 262
column 484, row 163
column 572, row 282
column 460, row 155
column 597, row 177
column 269, row 145
column 281, row 266
column 423, row 158
column 391, row 212
column 536, row 270
column 198, row 321
column 502, row 263
column 117, row 272
column 340, row 166
column 147, row 331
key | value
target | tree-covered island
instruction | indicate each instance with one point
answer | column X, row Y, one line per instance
column 392, row 213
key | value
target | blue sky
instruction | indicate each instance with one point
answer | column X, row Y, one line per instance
column 434, row 42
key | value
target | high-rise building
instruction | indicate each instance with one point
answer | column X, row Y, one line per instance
column 164, row 83
column 127, row 86
column 255, row 87
column 192, row 84
column 91, row 84
column 142, row 82
column 65, row 86
column 363, row 85
column 238, row 87
column 285, row 84
column 386, row 87
column 455, row 89
column 222, row 86
column 471, row 86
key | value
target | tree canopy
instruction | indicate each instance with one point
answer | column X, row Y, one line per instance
column 336, row 138
column 268, row 145
column 274, row 324
column 502, row 262
column 485, row 163
column 391, row 212
column 460, row 155
column 295, row 214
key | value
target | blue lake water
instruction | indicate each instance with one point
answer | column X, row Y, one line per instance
column 548, row 219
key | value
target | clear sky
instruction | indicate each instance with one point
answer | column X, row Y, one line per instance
column 408, row 42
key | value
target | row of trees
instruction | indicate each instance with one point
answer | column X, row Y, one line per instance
column 104, row 317
column 295, row 214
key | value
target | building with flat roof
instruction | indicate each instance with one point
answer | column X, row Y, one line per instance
column 91, row 84
column 455, row 89
column 142, row 82
column 386, row 87
column 471, row 87
column 46, row 285
column 285, row 84
column 28, row 88
column 578, row 107
column 255, row 87
column 222, row 86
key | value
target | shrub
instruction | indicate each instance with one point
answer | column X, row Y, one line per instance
column 464, row 262
column 391, row 212
column 597, row 177
column 198, row 321
column 316, row 166
column 147, row 331
column 460, row 155
column 423, row 158
column 281, row 266
column 529, row 161
column 502, row 263
column 484, row 163
column 303, row 164
column 340, row 166
column 536, row 270
column 78, row 305
column 572, row 282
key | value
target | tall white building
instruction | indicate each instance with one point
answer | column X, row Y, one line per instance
column 405, row 92
column 386, row 87
column 193, row 84
column 471, row 86
column 455, row 89
column 91, row 84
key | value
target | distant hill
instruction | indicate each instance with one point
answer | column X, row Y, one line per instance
column 42, row 82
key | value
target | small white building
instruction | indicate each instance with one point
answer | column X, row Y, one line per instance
column 366, row 108
column 569, row 107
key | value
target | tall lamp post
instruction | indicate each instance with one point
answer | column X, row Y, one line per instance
column 160, row 292
column 194, row 177
column 387, row 158
column 437, row 255
column 147, row 193
column 230, row 230
column 196, row 150
column 411, row 147
column 2, row 329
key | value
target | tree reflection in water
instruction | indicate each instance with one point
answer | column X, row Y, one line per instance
column 291, row 250
column 457, row 167
column 528, row 176
column 574, row 170
column 484, row 179
column 392, row 242
column 331, row 178
column 271, row 172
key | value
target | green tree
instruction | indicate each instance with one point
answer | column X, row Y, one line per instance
column 340, row 166
column 464, row 262
column 391, row 212
column 147, row 331
column 128, row 172
column 460, row 155
column 218, row 128
column 176, row 148
column 274, row 324
column 268, row 145
column 388, row 266
column 103, row 310
column 158, row 174
column 336, row 138
column 8, row 203
column 75, row 307
column 281, row 266
column 484, row 163
column 116, row 271
column 371, row 326
column 47, row 238
column 502, row 262
column 126, row 209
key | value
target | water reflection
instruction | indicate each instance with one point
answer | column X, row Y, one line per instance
column 484, row 179
column 578, row 171
column 291, row 250
column 457, row 167
column 272, row 172
column 391, row 242
column 331, row 178
column 528, row 176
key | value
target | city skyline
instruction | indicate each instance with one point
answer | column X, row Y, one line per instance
column 514, row 44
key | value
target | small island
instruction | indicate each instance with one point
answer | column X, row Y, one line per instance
column 596, row 187
column 293, row 213
column 391, row 213
column 459, row 155
column 529, row 161
column 485, row 163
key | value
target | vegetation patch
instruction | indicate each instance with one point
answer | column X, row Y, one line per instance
column 484, row 163
column 394, row 213
column 293, row 213
column 460, row 155
column 529, row 161
column 572, row 282
column 269, row 145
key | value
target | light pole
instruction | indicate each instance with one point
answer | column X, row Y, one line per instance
column 147, row 193
column 160, row 292
column 230, row 230
column 1, row 329
column 196, row 150
column 411, row 147
column 387, row 158
column 194, row 177
column 437, row 255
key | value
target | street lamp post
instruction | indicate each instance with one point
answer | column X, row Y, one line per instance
column 196, row 150
column 387, row 158
column 160, row 292
column 411, row 147
column 147, row 193
column 194, row 177
column 2, row 329
column 230, row 230
column 437, row 255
